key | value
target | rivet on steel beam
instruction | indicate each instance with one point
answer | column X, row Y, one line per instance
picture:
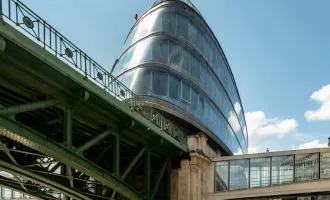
column 2, row 45
column 84, row 95
column 132, row 124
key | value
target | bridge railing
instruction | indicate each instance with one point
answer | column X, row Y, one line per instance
column 276, row 168
column 37, row 29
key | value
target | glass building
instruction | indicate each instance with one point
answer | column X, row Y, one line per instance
column 173, row 60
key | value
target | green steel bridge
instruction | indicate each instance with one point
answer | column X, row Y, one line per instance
column 68, row 129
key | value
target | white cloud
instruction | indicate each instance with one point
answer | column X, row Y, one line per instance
column 234, row 122
column 259, row 127
column 323, row 97
column 238, row 108
column 312, row 144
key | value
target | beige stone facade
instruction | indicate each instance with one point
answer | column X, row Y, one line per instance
column 195, row 177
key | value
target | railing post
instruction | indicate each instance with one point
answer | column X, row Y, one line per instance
column 294, row 168
column 249, row 174
column 271, row 170
column 228, row 175
column 319, row 170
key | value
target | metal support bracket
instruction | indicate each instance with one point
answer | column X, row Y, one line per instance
column 93, row 142
column 11, row 110
column 159, row 178
column 30, row 138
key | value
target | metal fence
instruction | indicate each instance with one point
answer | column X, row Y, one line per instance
column 37, row 29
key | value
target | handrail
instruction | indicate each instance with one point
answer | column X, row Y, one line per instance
column 51, row 40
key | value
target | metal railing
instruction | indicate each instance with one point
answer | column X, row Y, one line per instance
column 54, row 42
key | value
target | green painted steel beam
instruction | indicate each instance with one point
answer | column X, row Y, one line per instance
column 116, row 156
column 130, row 168
column 169, row 180
column 27, row 107
column 148, row 173
column 17, row 170
column 159, row 178
column 93, row 142
column 133, row 163
column 68, row 127
column 28, row 137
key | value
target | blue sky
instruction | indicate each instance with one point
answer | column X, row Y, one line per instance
column 278, row 51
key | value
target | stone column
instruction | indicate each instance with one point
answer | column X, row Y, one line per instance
column 184, row 181
column 195, row 177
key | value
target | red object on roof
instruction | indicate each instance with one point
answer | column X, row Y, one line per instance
column 136, row 16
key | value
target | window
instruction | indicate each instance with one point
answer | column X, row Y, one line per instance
column 169, row 22
column 194, row 98
column 182, row 26
column 185, row 94
column 206, row 46
column 201, row 104
column 160, row 83
column 192, row 34
column 203, row 74
column 174, row 87
column 175, row 54
column 186, row 61
column 195, row 71
column 160, row 51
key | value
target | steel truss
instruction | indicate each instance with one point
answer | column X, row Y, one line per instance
column 44, row 168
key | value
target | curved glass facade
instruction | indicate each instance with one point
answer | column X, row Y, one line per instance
column 171, row 55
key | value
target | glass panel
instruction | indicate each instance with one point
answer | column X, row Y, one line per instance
column 141, row 81
column 325, row 165
column 306, row 167
column 282, row 169
column 17, row 194
column 259, row 172
column 175, row 54
column 127, row 78
column 186, row 61
column 174, row 87
column 182, row 26
column 159, row 83
column 194, row 98
column 206, row 46
column 221, row 176
column 201, row 103
column 192, row 34
column 195, row 71
column 203, row 75
column 157, row 15
column 7, row 193
column 239, row 175
column 185, row 92
column 160, row 51
column 169, row 22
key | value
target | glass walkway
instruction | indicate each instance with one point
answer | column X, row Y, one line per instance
column 270, row 169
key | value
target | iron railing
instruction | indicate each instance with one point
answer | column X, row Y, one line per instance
column 51, row 40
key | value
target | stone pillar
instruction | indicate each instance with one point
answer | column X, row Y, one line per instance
column 195, row 177
column 184, row 181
